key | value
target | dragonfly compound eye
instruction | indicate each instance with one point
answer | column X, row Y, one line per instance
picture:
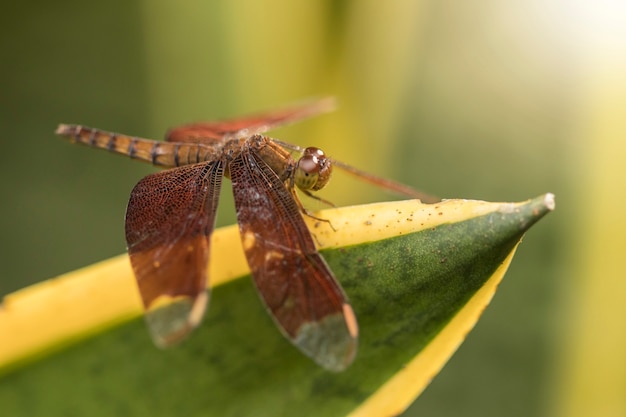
column 313, row 170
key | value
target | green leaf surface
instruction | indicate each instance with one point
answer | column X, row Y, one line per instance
column 404, row 290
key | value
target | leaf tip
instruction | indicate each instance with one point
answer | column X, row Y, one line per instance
column 549, row 201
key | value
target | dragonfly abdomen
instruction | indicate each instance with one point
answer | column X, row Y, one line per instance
column 165, row 154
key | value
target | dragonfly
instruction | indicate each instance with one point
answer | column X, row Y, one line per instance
column 171, row 214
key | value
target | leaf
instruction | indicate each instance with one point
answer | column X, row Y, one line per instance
column 418, row 276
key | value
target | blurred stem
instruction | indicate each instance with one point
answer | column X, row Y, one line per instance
column 593, row 377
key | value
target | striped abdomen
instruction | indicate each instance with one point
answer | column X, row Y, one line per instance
column 166, row 154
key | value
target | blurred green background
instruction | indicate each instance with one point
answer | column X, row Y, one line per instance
column 494, row 100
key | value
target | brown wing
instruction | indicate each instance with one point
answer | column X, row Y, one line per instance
column 293, row 280
column 169, row 220
column 258, row 123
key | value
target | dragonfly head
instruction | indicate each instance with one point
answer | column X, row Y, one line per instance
column 313, row 170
